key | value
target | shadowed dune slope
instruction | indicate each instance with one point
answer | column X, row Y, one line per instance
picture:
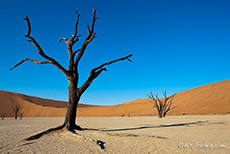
column 209, row 99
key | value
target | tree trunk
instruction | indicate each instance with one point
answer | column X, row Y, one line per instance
column 164, row 114
column 71, row 112
column 16, row 116
column 160, row 114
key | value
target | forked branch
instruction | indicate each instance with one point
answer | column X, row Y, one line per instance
column 90, row 37
column 76, row 25
column 90, row 31
column 16, row 108
column 40, row 51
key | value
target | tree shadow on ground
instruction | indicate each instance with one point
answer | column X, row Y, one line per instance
column 160, row 126
column 37, row 136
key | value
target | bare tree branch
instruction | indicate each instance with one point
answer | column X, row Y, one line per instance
column 166, row 98
column 75, row 33
column 16, row 108
column 156, row 102
column 94, row 19
column 76, row 52
column 35, row 61
column 160, row 103
column 28, row 25
column 63, row 38
column 90, row 37
column 111, row 62
column 97, row 71
column 40, row 51
column 168, row 107
column 70, row 44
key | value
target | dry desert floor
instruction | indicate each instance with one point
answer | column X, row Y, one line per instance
column 174, row 134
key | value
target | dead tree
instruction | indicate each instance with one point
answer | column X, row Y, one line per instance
column 3, row 116
column 75, row 91
column 162, row 105
column 16, row 108
column 21, row 115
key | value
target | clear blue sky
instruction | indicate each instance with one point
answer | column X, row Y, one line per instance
column 177, row 45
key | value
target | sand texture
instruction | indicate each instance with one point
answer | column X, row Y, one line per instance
column 125, row 135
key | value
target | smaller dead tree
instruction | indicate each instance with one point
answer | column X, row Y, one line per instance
column 162, row 105
column 21, row 115
column 3, row 116
column 16, row 108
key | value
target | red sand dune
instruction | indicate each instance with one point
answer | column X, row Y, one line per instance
column 209, row 99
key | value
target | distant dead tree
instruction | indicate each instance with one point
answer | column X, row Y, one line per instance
column 21, row 115
column 3, row 116
column 72, row 73
column 16, row 108
column 162, row 105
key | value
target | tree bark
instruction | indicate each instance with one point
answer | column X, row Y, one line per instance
column 160, row 114
column 71, row 113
